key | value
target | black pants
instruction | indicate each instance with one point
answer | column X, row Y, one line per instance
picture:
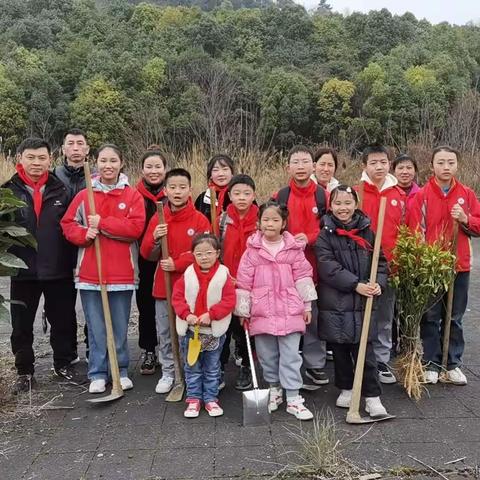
column 147, row 331
column 238, row 333
column 345, row 356
column 60, row 298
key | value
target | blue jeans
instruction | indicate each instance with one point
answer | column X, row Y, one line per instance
column 120, row 303
column 432, row 327
column 204, row 377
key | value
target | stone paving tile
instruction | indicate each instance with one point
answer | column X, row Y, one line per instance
column 126, row 465
column 245, row 460
column 197, row 463
column 85, row 415
column 445, row 407
column 139, row 412
column 59, row 466
column 430, row 453
column 70, row 440
column 174, row 415
column 230, row 436
column 456, row 429
column 118, row 437
column 471, row 450
column 404, row 431
column 184, row 435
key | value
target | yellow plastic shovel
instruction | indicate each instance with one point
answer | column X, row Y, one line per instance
column 194, row 347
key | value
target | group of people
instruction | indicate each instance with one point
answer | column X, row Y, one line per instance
column 294, row 272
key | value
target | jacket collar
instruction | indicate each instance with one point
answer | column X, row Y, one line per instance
column 390, row 181
column 255, row 241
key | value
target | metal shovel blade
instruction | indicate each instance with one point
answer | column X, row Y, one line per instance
column 357, row 419
column 176, row 393
column 255, row 407
column 114, row 395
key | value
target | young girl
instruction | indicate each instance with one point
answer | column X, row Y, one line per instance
column 204, row 295
column 274, row 291
column 119, row 222
column 344, row 254
column 220, row 171
column 151, row 187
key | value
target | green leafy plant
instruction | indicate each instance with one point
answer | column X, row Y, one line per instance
column 11, row 234
column 422, row 272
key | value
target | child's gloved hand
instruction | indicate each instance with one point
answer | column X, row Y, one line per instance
column 204, row 319
column 191, row 319
column 307, row 316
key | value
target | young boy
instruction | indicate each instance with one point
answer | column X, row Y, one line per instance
column 376, row 183
column 434, row 209
column 235, row 225
column 306, row 202
column 183, row 222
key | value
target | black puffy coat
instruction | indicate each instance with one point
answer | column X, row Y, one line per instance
column 342, row 264
column 72, row 178
column 53, row 258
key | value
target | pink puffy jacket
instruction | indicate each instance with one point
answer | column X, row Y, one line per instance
column 272, row 291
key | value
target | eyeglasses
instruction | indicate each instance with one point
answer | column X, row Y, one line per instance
column 204, row 254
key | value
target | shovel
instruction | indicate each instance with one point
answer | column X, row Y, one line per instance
column 194, row 347
column 213, row 210
column 176, row 393
column 255, row 402
column 117, row 391
column 353, row 415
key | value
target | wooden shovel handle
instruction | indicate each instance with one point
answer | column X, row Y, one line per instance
column 213, row 210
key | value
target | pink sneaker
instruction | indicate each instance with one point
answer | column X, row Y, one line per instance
column 213, row 409
column 193, row 408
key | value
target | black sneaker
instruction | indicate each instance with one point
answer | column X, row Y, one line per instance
column 23, row 384
column 329, row 355
column 149, row 363
column 71, row 375
column 317, row 376
column 244, row 379
column 384, row 374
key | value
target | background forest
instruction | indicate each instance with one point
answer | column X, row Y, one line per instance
column 234, row 75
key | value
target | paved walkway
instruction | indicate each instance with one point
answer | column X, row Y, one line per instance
column 142, row 437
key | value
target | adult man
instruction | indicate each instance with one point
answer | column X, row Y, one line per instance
column 49, row 269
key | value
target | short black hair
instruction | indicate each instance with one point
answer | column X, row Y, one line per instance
column 374, row 149
column 109, row 145
column 325, row 151
column 297, row 149
column 281, row 209
column 223, row 159
column 75, row 131
column 178, row 172
column 241, row 179
column 342, row 188
column 444, row 148
column 404, row 157
column 33, row 143
column 154, row 153
column 206, row 238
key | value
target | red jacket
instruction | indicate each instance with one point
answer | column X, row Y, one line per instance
column 234, row 235
column 395, row 210
column 183, row 225
column 122, row 220
column 430, row 213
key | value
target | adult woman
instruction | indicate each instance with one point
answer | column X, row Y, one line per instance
column 405, row 169
column 326, row 164
column 118, row 223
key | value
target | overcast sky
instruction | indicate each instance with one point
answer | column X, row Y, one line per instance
column 453, row 11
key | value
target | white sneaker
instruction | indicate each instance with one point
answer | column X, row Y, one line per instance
column 126, row 383
column 374, row 407
column 344, row 399
column 165, row 384
column 431, row 376
column 455, row 376
column 276, row 398
column 295, row 406
column 97, row 386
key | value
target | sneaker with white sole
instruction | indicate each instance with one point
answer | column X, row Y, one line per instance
column 97, row 386
column 455, row 376
column 344, row 399
column 385, row 375
column 374, row 407
column 126, row 383
column 193, row 408
column 214, row 409
column 276, row 398
column 165, row 384
column 296, row 407
column 431, row 376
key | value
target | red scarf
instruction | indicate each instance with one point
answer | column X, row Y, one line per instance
column 36, row 186
column 178, row 215
column 301, row 203
column 360, row 241
column 204, row 279
column 246, row 225
column 221, row 192
column 146, row 193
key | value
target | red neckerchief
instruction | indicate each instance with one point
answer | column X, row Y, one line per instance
column 179, row 215
column 300, row 203
column 36, row 186
column 246, row 225
column 204, row 279
column 221, row 192
column 146, row 193
column 360, row 241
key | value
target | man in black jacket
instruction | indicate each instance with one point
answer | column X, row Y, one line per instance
column 49, row 269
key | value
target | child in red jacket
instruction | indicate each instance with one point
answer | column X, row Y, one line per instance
column 376, row 183
column 306, row 203
column 183, row 223
column 204, row 295
column 235, row 225
column 434, row 209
